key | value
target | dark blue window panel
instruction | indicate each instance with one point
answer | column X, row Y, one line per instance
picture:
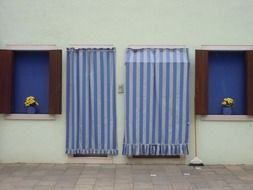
column 226, row 78
column 30, row 79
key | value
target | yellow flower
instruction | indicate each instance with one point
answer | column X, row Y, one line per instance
column 30, row 101
column 228, row 102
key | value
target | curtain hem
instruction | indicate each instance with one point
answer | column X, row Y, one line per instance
column 155, row 149
column 92, row 151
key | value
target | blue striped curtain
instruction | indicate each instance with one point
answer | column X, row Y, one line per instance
column 91, row 101
column 157, row 111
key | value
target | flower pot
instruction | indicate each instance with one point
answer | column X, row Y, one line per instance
column 227, row 110
column 31, row 110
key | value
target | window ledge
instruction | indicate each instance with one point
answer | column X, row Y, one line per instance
column 227, row 47
column 29, row 117
column 31, row 47
column 226, row 118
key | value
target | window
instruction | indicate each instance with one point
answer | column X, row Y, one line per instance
column 221, row 74
column 25, row 73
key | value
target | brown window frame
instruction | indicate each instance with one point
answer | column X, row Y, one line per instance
column 201, row 82
column 55, row 80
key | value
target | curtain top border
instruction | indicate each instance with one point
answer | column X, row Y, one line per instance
column 90, row 48
column 158, row 48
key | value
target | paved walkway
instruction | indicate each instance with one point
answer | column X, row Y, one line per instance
column 124, row 177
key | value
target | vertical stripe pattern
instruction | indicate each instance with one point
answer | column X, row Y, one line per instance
column 91, row 101
column 156, row 100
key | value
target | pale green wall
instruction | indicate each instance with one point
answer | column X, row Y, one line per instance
column 225, row 142
column 124, row 22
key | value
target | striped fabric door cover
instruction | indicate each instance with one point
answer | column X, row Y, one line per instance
column 156, row 100
column 91, row 101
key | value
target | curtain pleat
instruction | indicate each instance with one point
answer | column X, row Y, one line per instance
column 91, row 101
column 156, row 100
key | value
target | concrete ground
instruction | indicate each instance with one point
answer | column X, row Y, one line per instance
column 124, row 177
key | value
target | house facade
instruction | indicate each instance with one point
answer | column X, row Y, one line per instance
column 39, row 25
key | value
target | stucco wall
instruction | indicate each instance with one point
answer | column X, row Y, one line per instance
column 120, row 22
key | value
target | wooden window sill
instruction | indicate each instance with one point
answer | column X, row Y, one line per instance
column 225, row 118
column 29, row 117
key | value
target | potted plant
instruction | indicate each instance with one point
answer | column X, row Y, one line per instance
column 31, row 104
column 227, row 105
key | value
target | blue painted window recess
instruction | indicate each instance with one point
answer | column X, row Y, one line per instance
column 30, row 79
column 226, row 78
